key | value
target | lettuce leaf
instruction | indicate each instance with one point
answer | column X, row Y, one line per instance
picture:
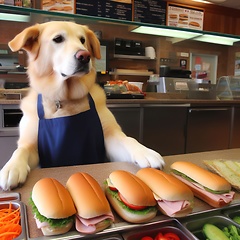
column 52, row 222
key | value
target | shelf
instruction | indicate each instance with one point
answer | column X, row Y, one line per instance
column 132, row 57
column 129, row 72
column 40, row 16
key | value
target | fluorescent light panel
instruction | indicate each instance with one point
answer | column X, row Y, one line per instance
column 217, row 39
column 166, row 32
column 203, row 37
column 14, row 17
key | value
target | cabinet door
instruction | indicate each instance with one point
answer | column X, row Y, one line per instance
column 235, row 140
column 129, row 120
column 7, row 147
column 164, row 128
column 208, row 129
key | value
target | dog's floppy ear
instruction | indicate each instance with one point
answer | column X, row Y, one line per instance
column 94, row 43
column 26, row 40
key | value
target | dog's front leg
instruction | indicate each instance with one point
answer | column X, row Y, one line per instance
column 15, row 171
column 120, row 147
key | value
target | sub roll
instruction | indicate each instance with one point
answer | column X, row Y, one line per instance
column 174, row 198
column 207, row 186
column 93, row 210
column 52, row 206
column 130, row 197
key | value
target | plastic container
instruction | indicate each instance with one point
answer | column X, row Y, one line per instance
column 152, row 230
column 196, row 226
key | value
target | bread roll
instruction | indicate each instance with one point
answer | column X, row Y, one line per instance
column 175, row 199
column 201, row 176
column 88, row 196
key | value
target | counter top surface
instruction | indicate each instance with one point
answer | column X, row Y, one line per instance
column 101, row 171
column 155, row 98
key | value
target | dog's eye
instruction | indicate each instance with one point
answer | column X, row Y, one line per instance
column 58, row 39
column 82, row 40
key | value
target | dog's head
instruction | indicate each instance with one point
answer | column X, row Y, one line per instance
column 58, row 50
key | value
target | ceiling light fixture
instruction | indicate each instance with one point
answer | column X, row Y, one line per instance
column 181, row 34
column 224, row 40
column 14, row 17
column 166, row 32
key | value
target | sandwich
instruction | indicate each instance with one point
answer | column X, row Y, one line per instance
column 173, row 16
column 130, row 197
column 93, row 210
column 52, row 206
column 194, row 24
column 183, row 16
column 207, row 186
column 174, row 198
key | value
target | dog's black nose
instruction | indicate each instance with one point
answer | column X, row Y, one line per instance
column 83, row 56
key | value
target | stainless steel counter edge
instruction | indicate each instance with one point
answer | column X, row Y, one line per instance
column 146, row 101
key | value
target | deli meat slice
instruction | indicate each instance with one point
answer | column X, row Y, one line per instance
column 84, row 225
column 172, row 207
column 41, row 224
column 226, row 197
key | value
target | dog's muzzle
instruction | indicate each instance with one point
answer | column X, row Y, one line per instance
column 83, row 57
column 82, row 62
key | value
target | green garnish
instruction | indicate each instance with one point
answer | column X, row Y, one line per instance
column 191, row 180
column 52, row 222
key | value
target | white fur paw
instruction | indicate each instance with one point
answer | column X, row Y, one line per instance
column 13, row 175
column 127, row 149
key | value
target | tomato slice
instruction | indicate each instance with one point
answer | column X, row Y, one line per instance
column 171, row 236
column 132, row 206
column 112, row 188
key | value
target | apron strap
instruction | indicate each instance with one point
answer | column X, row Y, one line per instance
column 40, row 107
column 41, row 110
column 91, row 102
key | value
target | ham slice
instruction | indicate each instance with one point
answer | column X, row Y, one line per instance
column 41, row 224
column 173, row 207
column 88, row 226
column 226, row 197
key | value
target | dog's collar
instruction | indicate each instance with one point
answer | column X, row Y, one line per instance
column 58, row 104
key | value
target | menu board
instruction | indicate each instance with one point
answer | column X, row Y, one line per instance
column 116, row 9
column 184, row 17
column 150, row 11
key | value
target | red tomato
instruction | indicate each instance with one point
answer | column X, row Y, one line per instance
column 146, row 238
column 171, row 236
column 132, row 206
column 160, row 237
column 113, row 189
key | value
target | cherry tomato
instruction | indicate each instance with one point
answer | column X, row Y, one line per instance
column 113, row 189
column 132, row 206
column 146, row 238
column 159, row 236
column 171, row 236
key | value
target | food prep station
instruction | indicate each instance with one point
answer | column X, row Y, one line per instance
column 189, row 227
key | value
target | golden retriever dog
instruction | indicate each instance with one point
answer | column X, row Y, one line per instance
column 62, row 84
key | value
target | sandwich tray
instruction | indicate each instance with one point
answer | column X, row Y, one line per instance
column 15, row 205
column 187, row 228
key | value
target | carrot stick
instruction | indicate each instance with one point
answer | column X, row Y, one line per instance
column 10, row 226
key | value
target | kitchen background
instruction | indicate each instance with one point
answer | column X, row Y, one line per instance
column 219, row 60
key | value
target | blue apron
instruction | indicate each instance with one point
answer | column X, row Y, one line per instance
column 70, row 140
